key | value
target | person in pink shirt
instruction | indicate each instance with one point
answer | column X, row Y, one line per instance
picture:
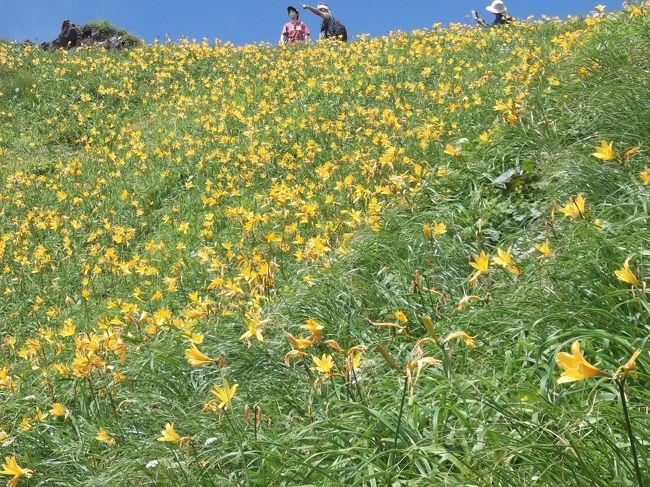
column 294, row 31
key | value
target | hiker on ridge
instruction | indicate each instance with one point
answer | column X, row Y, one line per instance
column 500, row 11
column 330, row 28
column 294, row 31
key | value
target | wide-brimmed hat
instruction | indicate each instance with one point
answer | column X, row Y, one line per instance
column 497, row 7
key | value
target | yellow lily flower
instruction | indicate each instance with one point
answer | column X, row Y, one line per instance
column 625, row 274
column 630, row 366
column 401, row 317
column 575, row 366
column 11, row 467
column 575, row 207
column 469, row 341
column 293, row 354
column 465, row 300
column 196, row 358
column 605, row 151
column 312, row 326
column 335, row 345
column 355, row 355
column 481, row 263
column 169, row 435
column 546, row 250
column 325, row 364
column 419, row 364
column 436, row 231
column 104, row 437
column 254, row 331
column 299, row 343
column 224, row 394
column 452, row 151
column 58, row 410
column 504, row 259
column 645, row 177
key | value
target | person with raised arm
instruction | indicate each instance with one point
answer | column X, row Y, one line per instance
column 330, row 27
column 500, row 11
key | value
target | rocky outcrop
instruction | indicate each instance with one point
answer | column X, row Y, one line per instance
column 103, row 35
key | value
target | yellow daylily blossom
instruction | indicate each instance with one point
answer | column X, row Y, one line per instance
column 196, row 358
column 575, row 366
column 224, row 394
column 293, row 354
column 645, row 177
column 419, row 364
column 630, row 366
column 104, row 437
column 546, row 250
column 465, row 300
column 67, row 330
column 436, row 231
column 439, row 229
column 469, row 341
column 59, row 411
column 504, row 259
column 401, row 317
column 355, row 355
column 575, row 207
column 599, row 224
column 169, row 435
column 605, row 151
column 452, row 151
column 335, row 345
column 625, row 274
column 254, row 331
column 325, row 364
column 299, row 343
column 312, row 326
column 481, row 263
column 10, row 467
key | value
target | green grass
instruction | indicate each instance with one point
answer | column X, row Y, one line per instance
column 107, row 28
column 168, row 123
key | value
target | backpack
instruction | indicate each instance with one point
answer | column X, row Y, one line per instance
column 337, row 29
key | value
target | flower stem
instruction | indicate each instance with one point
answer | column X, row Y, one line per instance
column 399, row 424
column 630, row 434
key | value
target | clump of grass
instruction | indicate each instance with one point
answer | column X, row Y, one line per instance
column 107, row 29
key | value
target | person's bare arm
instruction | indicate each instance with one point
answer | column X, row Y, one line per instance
column 480, row 21
column 323, row 15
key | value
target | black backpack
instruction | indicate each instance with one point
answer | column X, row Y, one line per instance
column 337, row 29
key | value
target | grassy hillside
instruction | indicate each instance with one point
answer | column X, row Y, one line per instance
column 331, row 265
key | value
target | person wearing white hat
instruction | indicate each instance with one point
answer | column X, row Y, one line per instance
column 330, row 27
column 500, row 11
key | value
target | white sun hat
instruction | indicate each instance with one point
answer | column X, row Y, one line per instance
column 323, row 7
column 497, row 7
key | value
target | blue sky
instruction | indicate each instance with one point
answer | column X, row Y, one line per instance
column 251, row 21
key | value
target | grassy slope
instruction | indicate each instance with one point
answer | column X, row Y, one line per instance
column 171, row 124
